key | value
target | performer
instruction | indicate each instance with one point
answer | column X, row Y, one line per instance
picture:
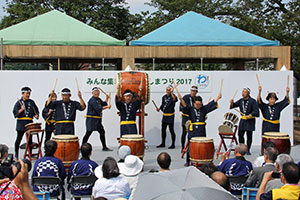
column 24, row 110
column 94, row 117
column 249, row 109
column 188, row 99
column 65, row 114
column 49, row 117
column 128, row 109
column 271, row 111
column 167, row 107
column 197, row 113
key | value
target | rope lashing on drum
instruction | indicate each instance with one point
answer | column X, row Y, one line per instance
column 195, row 123
column 245, row 118
column 127, row 122
column 24, row 118
column 272, row 121
column 92, row 116
column 168, row 114
column 64, row 121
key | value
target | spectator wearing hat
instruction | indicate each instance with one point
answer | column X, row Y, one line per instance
column 65, row 114
column 94, row 117
column 24, row 111
column 123, row 152
column 168, row 108
column 271, row 111
column 128, row 108
column 110, row 184
column 249, row 107
column 130, row 169
column 185, row 116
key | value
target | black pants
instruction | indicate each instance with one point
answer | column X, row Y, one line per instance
column 183, row 137
column 48, row 136
column 188, row 160
column 164, row 132
column 101, row 134
column 18, row 141
column 249, row 138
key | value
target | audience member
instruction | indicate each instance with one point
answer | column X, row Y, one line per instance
column 164, row 161
column 221, row 179
column 260, row 161
column 123, row 152
column 208, row 169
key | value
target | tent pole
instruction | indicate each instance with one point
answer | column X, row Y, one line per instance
column 1, row 67
column 58, row 64
column 103, row 64
column 257, row 64
column 153, row 64
column 201, row 64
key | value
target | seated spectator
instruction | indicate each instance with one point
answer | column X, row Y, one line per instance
column 280, row 161
column 237, row 166
column 123, row 152
column 3, row 151
column 290, row 176
column 82, row 167
column 209, row 169
column 164, row 161
column 260, row 161
column 19, row 188
column 257, row 174
column 221, row 179
column 110, row 184
column 130, row 169
column 51, row 167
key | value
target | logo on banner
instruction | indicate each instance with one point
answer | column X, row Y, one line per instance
column 202, row 80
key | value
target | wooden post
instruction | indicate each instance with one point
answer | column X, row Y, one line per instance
column 128, row 61
column 58, row 64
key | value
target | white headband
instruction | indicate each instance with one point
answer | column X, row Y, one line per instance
column 65, row 92
column 25, row 91
column 248, row 89
column 128, row 93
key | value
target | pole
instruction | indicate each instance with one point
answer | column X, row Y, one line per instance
column 201, row 64
column 58, row 64
column 257, row 64
column 103, row 64
column 153, row 64
column 1, row 67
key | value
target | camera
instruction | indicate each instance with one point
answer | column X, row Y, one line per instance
column 276, row 175
column 6, row 166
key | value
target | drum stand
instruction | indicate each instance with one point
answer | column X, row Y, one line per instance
column 31, row 133
column 224, row 136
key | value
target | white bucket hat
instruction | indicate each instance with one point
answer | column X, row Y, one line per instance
column 124, row 151
column 131, row 166
column 98, row 172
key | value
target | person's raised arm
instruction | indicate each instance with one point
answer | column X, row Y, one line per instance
column 118, row 93
column 218, row 97
column 82, row 103
column 287, row 92
column 181, row 99
column 262, row 187
column 50, row 98
column 173, row 95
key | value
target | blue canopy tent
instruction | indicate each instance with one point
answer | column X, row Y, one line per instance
column 193, row 29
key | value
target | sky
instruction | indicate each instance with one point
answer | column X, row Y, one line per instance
column 135, row 6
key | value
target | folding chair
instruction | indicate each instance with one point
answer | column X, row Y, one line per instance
column 82, row 180
column 48, row 180
column 237, row 184
column 224, row 136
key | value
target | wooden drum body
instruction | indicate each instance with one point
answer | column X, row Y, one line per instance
column 281, row 141
column 135, row 142
column 131, row 81
column 33, row 126
column 67, row 148
column 202, row 150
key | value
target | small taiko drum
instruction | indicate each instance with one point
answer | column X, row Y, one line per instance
column 132, row 81
column 33, row 126
column 135, row 142
column 227, row 126
column 281, row 141
column 202, row 150
column 67, row 148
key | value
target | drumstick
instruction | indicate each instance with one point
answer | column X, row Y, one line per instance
column 209, row 99
column 235, row 93
column 155, row 104
column 176, row 86
column 103, row 91
column 109, row 100
column 239, row 111
column 55, row 84
column 257, row 80
column 221, row 87
column 288, row 80
column 20, row 102
column 77, row 83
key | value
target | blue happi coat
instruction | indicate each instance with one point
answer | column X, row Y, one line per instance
column 168, row 109
column 94, row 114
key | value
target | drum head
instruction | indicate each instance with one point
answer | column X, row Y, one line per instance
column 276, row 134
column 132, row 136
column 33, row 124
column 202, row 139
column 65, row 137
column 225, row 129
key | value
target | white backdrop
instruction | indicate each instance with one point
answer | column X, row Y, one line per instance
column 41, row 82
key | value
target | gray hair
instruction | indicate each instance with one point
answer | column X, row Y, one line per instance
column 272, row 153
column 242, row 149
column 283, row 158
column 3, row 150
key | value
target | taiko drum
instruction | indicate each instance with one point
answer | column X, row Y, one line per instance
column 281, row 141
column 135, row 142
column 202, row 150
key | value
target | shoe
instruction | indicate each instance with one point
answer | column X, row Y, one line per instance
column 161, row 146
column 172, row 147
column 106, row 149
column 249, row 153
column 186, row 164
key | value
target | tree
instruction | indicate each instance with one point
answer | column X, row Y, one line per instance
column 109, row 16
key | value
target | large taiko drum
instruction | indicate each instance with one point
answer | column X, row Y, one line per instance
column 33, row 126
column 227, row 126
column 67, row 148
column 131, row 81
column 281, row 141
column 135, row 142
column 202, row 150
